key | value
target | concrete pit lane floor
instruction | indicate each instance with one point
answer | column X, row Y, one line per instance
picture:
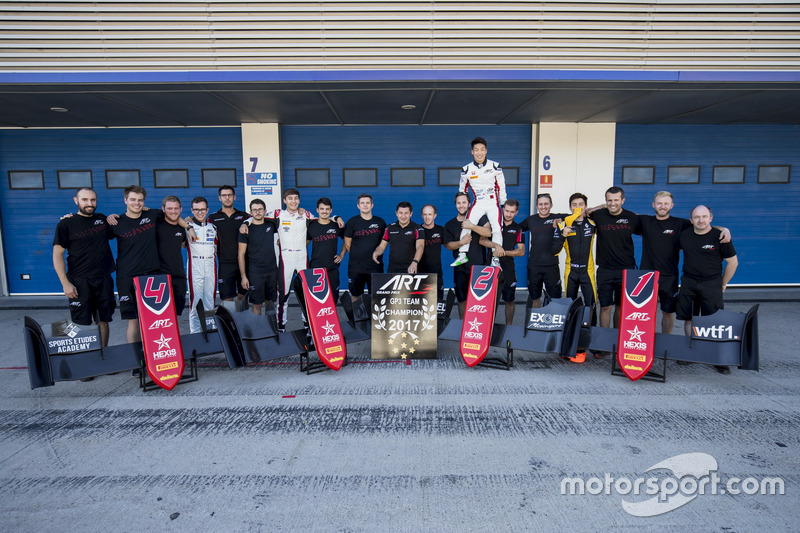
column 389, row 446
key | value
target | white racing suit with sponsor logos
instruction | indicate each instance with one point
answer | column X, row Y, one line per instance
column 489, row 188
column 292, row 232
column 202, row 269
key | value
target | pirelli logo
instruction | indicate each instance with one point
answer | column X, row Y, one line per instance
column 333, row 349
column 471, row 346
column 634, row 357
column 166, row 366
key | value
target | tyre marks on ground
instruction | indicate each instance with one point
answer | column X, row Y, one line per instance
column 568, row 419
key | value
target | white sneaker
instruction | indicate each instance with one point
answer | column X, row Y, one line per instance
column 460, row 260
column 496, row 262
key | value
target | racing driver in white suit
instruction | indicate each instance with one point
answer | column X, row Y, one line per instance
column 292, row 224
column 485, row 178
column 292, row 231
column 202, row 266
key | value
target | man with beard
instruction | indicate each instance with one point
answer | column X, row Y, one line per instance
column 86, row 274
column 453, row 240
column 431, row 262
column 660, row 251
column 513, row 246
column 324, row 237
column 545, row 244
column 171, row 239
column 227, row 221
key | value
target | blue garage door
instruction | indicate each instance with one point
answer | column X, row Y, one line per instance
column 408, row 152
column 741, row 174
column 29, row 216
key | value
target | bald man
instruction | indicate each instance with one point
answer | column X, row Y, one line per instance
column 705, row 277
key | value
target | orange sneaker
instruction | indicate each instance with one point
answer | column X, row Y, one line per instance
column 580, row 357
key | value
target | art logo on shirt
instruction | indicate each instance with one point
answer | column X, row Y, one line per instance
column 709, row 247
column 371, row 230
column 622, row 221
column 669, row 231
column 144, row 221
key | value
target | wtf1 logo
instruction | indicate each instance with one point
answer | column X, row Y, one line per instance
column 718, row 332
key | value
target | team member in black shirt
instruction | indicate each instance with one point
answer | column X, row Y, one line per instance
column 702, row 284
column 258, row 266
column 324, row 235
column 431, row 262
column 362, row 234
column 227, row 221
column 661, row 250
column 475, row 253
column 407, row 242
column 171, row 238
column 137, row 252
column 615, row 229
column 86, row 274
column 513, row 246
column 544, row 247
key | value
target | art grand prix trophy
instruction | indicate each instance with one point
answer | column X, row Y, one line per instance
column 404, row 317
